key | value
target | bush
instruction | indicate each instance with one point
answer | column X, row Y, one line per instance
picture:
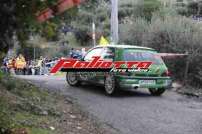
column 170, row 33
column 178, row 34
column 1, row 75
column 134, row 31
column 6, row 121
column 138, row 8
column 150, row 6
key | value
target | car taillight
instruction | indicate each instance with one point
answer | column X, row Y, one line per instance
column 166, row 73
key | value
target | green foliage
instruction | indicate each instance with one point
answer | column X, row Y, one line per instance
column 163, row 12
column 134, row 31
column 138, row 8
column 50, row 31
column 170, row 33
column 1, row 75
column 175, row 32
column 150, row 6
column 19, row 16
column 25, row 106
column 6, row 121
column 193, row 8
column 26, row 16
column 126, row 10
column 89, row 12
column 182, row 11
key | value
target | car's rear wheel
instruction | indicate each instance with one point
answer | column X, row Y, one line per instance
column 72, row 79
column 157, row 91
column 110, row 85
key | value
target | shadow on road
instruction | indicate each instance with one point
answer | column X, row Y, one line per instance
column 97, row 89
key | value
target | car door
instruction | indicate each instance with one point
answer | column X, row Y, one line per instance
column 107, row 54
column 91, row 76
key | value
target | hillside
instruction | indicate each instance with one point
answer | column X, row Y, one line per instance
column 26, row 109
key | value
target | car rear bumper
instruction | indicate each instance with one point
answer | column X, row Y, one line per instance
column 127, row 82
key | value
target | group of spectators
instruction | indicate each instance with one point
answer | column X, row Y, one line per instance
column 77, row 54
column 20, row 66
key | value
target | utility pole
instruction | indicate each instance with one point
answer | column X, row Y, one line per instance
column 114, row 21
column 94, row 34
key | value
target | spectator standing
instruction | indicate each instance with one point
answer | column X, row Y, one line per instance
column 40, row 65
column 20, row 64
column 32, row 67
column 5, row 65
column 83, row 52
column 72, row 53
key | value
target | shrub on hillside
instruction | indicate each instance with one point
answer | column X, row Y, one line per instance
column 170, row 33
column 133, row 33
column 178, row 34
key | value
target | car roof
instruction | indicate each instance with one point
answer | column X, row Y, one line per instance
column 128, row 46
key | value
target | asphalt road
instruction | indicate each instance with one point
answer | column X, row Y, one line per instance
column 132, row 112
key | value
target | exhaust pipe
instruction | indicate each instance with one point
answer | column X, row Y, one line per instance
column 135, row 86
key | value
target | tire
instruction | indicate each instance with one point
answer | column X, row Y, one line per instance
column 72, row 79
column 157, row 92
column 110, row 85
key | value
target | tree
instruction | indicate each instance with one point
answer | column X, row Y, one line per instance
column 7, row 24
column 81, row 24
column 18, row 18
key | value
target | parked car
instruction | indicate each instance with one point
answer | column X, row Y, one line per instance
column 157, row 79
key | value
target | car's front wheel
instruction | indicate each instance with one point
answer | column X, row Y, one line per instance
column 110, row 85
column 72, row 79
column 157, row 91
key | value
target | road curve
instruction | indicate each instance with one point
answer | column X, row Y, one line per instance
column 132, row 112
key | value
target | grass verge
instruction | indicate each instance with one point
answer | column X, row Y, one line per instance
column 26, row 109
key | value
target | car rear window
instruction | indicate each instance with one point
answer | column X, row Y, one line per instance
column 134, row 55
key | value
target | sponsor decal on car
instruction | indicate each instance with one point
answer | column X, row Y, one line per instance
column 99, row 65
